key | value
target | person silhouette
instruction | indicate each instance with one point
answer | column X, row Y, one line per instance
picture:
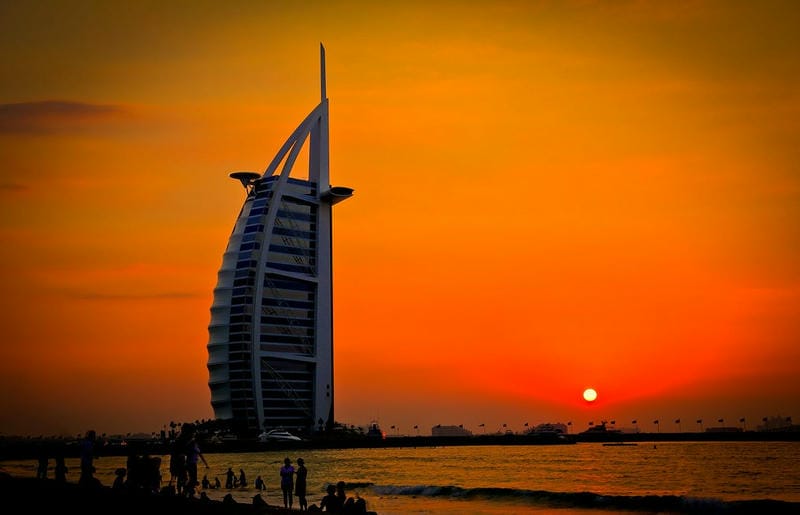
column 229, row 477
column 177, row 463
column 44, row 462
column 330, row 502
column 260, row 486
column 119, row 481
column 242, row 479
column 60, row 469
column 193, row 455
column 287, row 482
column 341, row 495
column 300, row 484
column 87, row 451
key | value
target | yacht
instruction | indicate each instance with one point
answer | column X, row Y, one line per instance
column 278, row 435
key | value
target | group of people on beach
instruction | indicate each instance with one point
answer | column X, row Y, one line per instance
column 143, row 472
column 183, row 461
column 87, row 447
column 336, row 501
column 59, row 471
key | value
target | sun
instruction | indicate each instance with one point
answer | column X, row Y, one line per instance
column 590, row 394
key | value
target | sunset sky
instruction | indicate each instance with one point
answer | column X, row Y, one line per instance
column 549, row 196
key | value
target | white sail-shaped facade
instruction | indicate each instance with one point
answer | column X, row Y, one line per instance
column 270, row 348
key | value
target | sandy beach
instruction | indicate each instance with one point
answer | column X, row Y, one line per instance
column 31, row 495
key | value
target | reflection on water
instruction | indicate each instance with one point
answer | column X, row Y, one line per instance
column 500, row 479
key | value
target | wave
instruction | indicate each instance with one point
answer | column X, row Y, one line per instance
column 354, row 484
column 646, row 503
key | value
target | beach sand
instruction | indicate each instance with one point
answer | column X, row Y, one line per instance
column 26, row 495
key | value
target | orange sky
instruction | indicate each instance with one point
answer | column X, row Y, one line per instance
column 548, row 196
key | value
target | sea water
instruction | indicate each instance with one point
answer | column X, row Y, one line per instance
column 663, row 477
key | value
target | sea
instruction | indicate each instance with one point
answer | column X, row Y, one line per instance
column 581, row 478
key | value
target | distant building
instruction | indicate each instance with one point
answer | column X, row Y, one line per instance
column 724, row 429
column 270, row 346
column 550, row 427
column 778, row 424
column 450, row 431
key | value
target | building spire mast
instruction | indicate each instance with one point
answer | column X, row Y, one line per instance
column 323, row 93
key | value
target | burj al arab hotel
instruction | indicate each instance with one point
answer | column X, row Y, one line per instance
column 270, row 347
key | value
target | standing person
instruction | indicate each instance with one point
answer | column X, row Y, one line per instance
column 177, row 464
column 60, row 469
column 287, row 482
column 242, row 479
column 229, row 477
column 44, row 462
column 300, row 484
column 87, row 452
column 193, row 455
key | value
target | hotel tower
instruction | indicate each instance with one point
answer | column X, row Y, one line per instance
column 270, row 347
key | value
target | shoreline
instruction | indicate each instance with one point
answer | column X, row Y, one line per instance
column 29, row 448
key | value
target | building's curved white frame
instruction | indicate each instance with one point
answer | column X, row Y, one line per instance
column 315, row 127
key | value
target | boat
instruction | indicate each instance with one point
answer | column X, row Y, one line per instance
column 280, row 435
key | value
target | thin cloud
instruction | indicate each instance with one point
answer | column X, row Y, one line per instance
column 53, row 115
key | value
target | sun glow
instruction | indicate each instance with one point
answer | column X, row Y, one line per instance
column 590, row 394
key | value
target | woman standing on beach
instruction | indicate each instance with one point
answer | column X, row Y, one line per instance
column 300, row 484
column 287, row 482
